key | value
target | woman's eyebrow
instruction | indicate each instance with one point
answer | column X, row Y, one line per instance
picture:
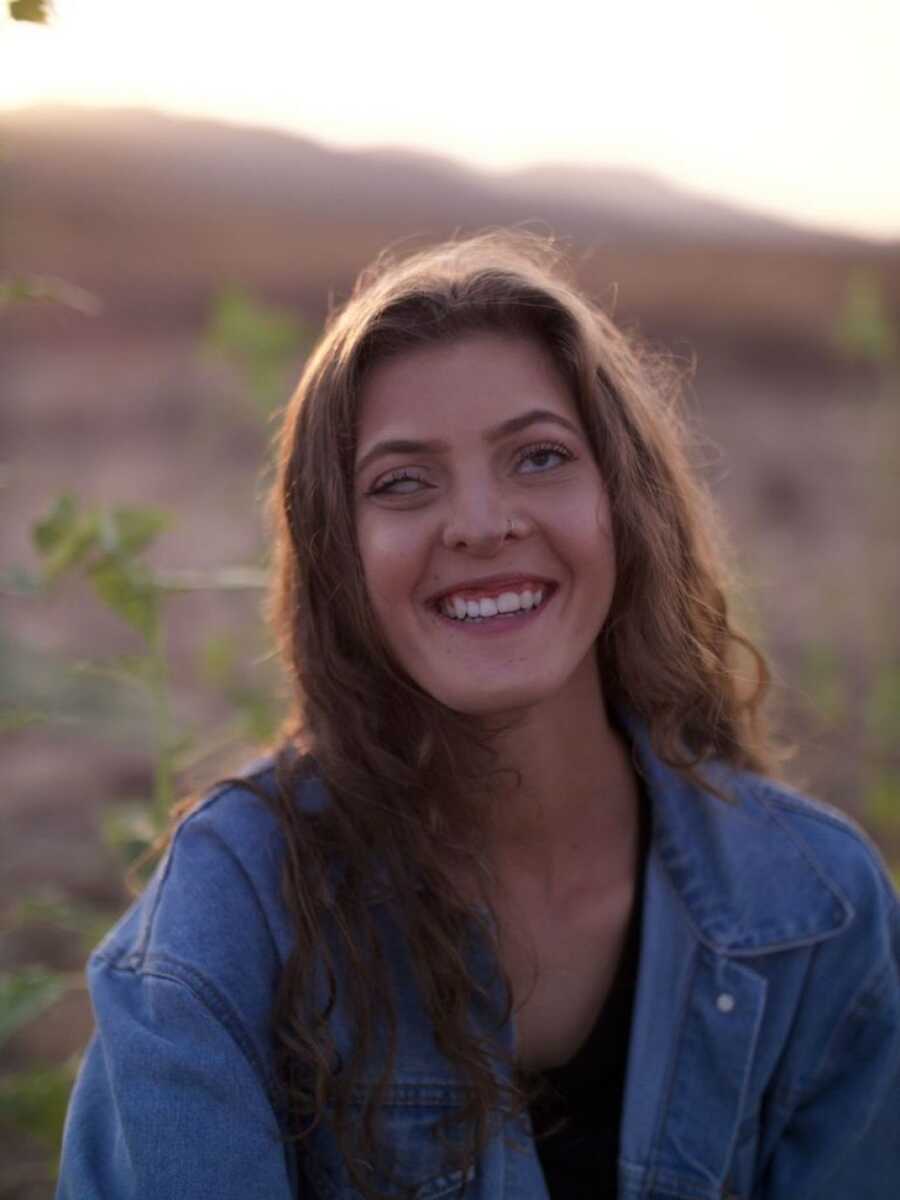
column 504, row 429
column 400, row 446
column 532, row 417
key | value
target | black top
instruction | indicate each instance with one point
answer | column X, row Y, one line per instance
column 580, row 1160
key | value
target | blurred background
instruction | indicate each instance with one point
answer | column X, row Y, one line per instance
column 185, row 191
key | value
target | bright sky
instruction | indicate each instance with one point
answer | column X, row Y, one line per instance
column 792, row 106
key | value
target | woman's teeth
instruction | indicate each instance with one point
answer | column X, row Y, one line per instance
column 504, row 605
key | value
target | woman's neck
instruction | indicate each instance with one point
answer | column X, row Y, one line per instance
column 569, row 805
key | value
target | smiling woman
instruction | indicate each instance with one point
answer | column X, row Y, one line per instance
column 472, row 458
column 515, row 909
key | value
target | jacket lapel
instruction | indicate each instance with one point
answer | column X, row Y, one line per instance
column 709, row 909
column 697, row 1020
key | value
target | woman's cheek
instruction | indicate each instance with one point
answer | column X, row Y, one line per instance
column 391, row 554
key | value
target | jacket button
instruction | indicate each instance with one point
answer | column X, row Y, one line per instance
column 725, row 1004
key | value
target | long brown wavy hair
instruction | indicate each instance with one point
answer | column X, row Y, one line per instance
column 405, row 775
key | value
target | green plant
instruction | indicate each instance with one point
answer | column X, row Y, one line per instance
column 865, row 330
column 259, row 340
column 822, row 679
column 34, row 1099
column 36, row 11
column 108, row 548
column 24, row 995
column 17, row 289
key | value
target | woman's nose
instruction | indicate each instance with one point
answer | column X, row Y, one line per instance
column 482, row 526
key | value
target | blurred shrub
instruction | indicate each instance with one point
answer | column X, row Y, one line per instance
column 107, row 548
column 37, row 11
column 17, row 289
column 865, row 331
column 262, row 342
column 33, row 1100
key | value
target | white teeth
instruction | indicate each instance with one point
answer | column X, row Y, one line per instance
column 460, row 609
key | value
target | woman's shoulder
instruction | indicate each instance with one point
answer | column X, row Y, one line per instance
column 804, row 857
column 739, row 818
column 182, row 990
column 831, row 841
column 212, row 914
column 761, row 866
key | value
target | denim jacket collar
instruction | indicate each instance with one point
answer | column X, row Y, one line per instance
column 725, row 867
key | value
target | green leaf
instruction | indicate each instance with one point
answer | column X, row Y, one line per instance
column 65, row 537
column 882, row 709
column 132, row 670
column 36, row 1100
column 24, row 995
column 217, row 659
column 14, row 719
column 57, row 525
column 19, row 289
column 823, row 677
column 36, row 11
column 264, row 342
column 865, row 330
column 74, row 549
column 51, row 907
column 129, row 829
column 881, row 804
column 129, row 591
column 136, row 528
column 250, row 329
column 261, row 716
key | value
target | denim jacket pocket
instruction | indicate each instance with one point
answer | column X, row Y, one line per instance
column 412, row 1163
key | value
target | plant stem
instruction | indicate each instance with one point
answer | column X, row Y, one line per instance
column 163, row 774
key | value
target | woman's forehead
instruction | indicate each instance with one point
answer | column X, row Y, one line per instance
column 482, row 378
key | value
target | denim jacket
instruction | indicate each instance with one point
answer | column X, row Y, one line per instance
column 764, row 1061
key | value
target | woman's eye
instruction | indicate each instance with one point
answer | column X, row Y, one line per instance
column 399, row 483
column 543, row 458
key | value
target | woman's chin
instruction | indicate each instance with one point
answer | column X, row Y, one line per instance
column 496, row 699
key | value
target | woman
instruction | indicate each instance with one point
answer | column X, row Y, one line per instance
column 516, row 910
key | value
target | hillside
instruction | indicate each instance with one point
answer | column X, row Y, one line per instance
column 154, row 212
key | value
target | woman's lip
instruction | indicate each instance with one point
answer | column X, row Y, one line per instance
column 494, row 586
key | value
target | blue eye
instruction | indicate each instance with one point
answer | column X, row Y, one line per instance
column 543, row 457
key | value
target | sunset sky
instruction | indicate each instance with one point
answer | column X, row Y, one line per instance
column 790, row 106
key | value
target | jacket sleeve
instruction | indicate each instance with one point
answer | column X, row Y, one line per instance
column 177, row 1095
column 841, row 1138
column 168, row 1102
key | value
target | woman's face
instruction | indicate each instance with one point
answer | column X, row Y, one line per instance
column 483, row 523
